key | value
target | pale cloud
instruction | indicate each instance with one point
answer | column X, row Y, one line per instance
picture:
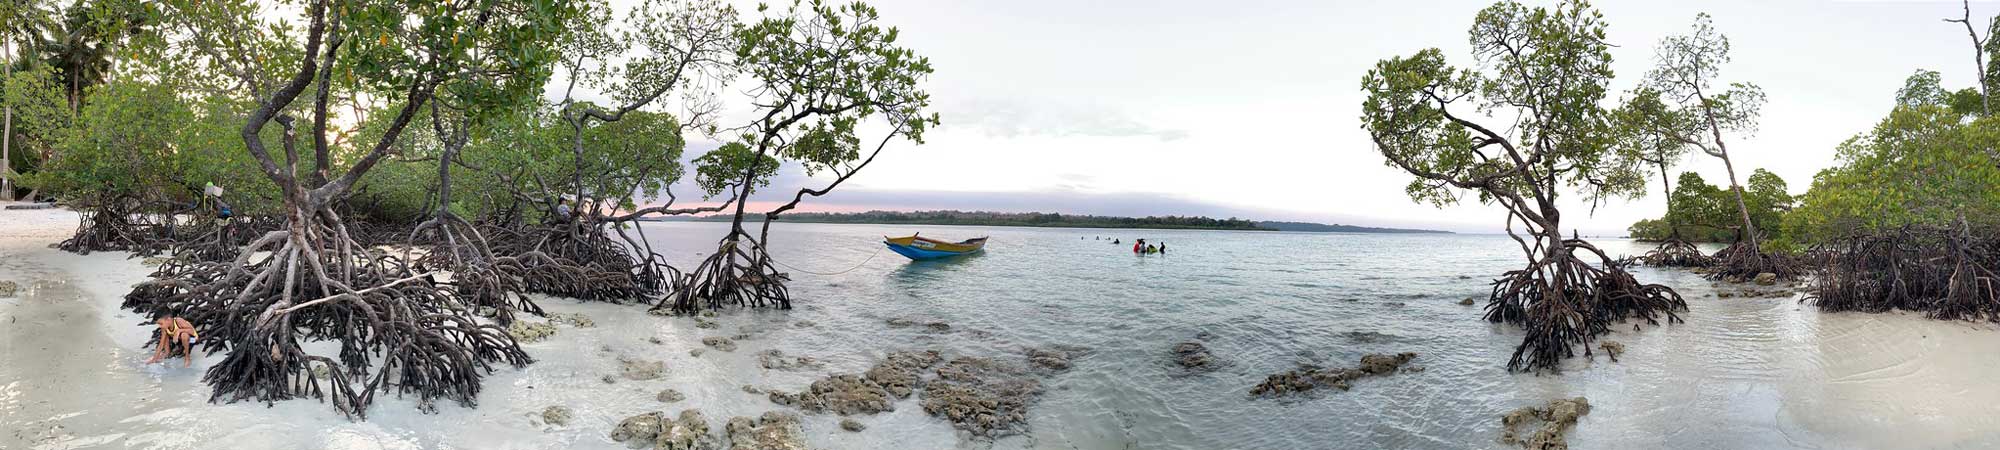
column 1012, row 118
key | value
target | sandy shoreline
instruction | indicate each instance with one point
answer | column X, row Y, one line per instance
column 75, row 377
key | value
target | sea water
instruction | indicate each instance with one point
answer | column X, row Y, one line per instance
column 1739, row 373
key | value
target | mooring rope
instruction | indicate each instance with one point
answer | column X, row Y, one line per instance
column 871, row 257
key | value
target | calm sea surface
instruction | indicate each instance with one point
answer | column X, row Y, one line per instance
column 1741, row 373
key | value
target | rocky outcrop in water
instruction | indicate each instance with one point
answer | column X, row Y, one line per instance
column 844, row 394
column 1546, row 426
column 901, row 372
column 773, row 431
column 654, row 430
column 852, row 425
column 1309, row 377
column 1194, row 356
column 670, row 396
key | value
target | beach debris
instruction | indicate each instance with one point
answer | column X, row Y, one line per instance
column 1612, row 349
column 720, row 343
column 641, row 370
column 8, row 288
column 670, row 396
column 557, row 415
column 572, row 319
column 776, row 360
column 526, row 331
column 1309, row 377
column 772, row 431
column 852, row 425
column 1555, row 421
column 1194, row 356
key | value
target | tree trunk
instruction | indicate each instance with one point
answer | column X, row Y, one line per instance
column 1749, row 230
column 7, row 134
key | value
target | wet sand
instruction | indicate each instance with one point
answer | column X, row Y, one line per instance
column 1781, row 373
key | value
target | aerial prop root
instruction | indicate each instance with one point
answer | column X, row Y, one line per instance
column 1563, row 301
column 733, row 276
column 397, row 330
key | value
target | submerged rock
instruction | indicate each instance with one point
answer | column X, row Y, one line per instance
column 525, row 331
column 1555, row 421
column 556, row 415
column 901, row 322
column 776, row 360
column 1468, row 301
column 1767, row 278
column 670, row 396
column 773, row 431
column 982, row 396
column 852, row 425
column 572, row 319
column 638, row 431
column 706, row 324
column 1055, row 357
column 1309, row 377
column 720, row 343
column 8, row 288
column 938, row 327
column 641, row 370
column 1194, row 356
column 696, row 352
column 805, row 324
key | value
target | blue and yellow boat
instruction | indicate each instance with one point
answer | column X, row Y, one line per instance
column 923, row 248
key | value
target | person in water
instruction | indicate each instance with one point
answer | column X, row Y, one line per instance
column 176, row 330
column 1163, row 247
column 1139, row 246
column 1152, row 249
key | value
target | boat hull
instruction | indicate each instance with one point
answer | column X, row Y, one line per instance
column 924, row 249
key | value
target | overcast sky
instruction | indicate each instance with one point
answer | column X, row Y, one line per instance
column 1249, row 108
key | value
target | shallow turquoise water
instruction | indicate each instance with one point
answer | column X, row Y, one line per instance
column 1743, row 373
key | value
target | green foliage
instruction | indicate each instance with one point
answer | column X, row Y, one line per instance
column 123, row 145
column 1703, row 212
column 1560, row 139
column 1921, row 165
column 819, row 71
column 40, row 115
column 721, row 168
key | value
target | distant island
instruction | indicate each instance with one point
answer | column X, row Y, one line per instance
column 1058, row 220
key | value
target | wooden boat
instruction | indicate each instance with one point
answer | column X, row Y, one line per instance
column 923, row 248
